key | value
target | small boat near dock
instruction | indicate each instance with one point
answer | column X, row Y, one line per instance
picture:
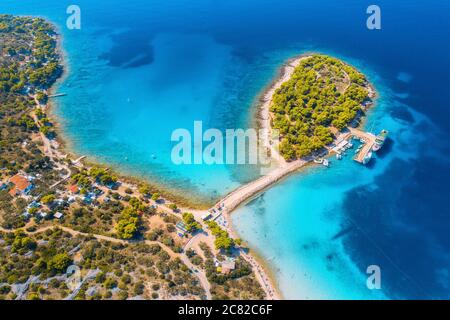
column 318, row 160
column 367, row 158
column 380, row 139
column 363, row 153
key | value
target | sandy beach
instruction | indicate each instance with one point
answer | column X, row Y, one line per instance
column 282, row 170
column 264, row 114
column 246, row 192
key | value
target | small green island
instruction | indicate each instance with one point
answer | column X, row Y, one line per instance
column 128, row 240
column 322, row 97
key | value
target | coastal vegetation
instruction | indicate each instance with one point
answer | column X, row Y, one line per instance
column 29, row 63
column 223, row 240
column 323, row 95
column 110, row 271
column 237, row 284
column 128, row 225
column 191, row 224
column 59, row 213
column 29, row 54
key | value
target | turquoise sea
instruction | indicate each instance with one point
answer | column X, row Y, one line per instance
column 139, row 69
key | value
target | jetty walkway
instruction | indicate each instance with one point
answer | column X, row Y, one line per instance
column 246, row 192
column 369, row 139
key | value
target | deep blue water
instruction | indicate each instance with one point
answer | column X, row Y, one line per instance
column 139, row 69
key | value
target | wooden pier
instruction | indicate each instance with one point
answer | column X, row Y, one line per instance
column 369, row 139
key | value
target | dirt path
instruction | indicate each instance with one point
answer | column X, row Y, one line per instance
column 201, row 276
column 233, row 201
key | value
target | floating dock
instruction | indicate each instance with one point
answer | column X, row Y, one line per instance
column 365, row 154
column 341, row 146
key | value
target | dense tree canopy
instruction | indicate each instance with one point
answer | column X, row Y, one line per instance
column 223, row 239
column 29, row 65
column 128, row 224
column 323, row 92
column 191, row 224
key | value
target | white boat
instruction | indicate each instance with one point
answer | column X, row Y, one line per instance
column 339, row 156
column 367, row 158
column 325, row 162
column 379, row 141
column 318, row 160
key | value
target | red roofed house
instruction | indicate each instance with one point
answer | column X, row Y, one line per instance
column 20, row 185
column 73, row 189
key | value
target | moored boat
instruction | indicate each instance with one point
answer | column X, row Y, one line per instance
column 367, row 158
column 380, row 139
column 318, row 160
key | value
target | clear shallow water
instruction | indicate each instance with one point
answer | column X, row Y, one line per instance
column 139, row 69
column 308, row 226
